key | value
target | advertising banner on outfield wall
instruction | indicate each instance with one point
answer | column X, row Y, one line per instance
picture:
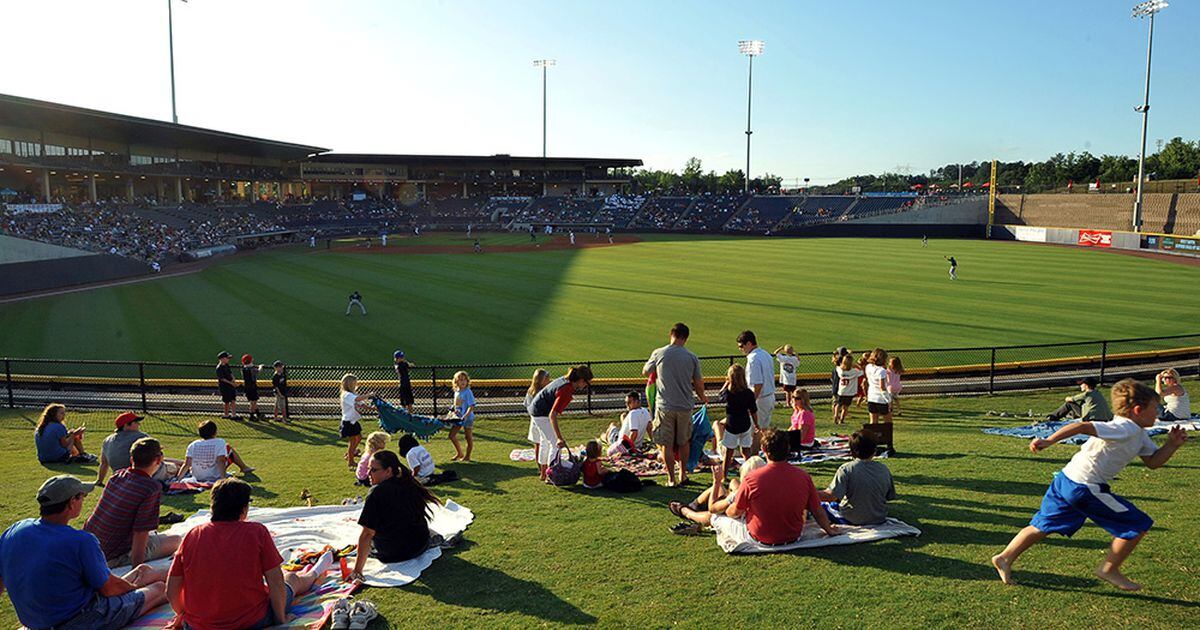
column 1028, row 233
column 1176, row 244
column 1095, row 238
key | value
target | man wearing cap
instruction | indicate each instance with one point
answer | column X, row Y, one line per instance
column 126, row 518
column 56, row 575
column 1088, row 405
column 227, row 386
column 114, row 451
column 406, row 392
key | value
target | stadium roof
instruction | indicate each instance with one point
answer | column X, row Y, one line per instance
column 27, row 113
column 470, row 160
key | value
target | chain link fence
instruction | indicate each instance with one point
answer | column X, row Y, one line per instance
column 500, row 388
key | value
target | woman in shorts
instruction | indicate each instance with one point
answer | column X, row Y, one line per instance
column 351, row 429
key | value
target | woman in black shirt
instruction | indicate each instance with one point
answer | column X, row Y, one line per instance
column 395, row 517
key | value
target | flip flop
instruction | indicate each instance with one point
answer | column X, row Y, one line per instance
column 676, row 508
column 686, row 528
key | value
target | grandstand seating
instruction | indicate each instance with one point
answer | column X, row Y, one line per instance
column 619, row 210
column 763, row 213
column 819, row 209
column 868, row 206
column 1095, row 211
column 661, row 213
column 710, row 212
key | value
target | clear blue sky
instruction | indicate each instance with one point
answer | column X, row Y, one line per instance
column 843, row 88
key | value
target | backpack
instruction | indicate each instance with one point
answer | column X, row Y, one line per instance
column 564, row 471
column 622, row 481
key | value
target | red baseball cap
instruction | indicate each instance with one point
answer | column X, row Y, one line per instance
column 246, row 359
column 127, row 418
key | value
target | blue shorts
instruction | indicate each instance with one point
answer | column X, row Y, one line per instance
column 1068, row 504
column 107, row 612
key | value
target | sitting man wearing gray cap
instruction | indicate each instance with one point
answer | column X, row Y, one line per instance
column 1088, row 405
column 56, row 575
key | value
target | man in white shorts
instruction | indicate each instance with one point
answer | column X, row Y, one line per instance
column 760, row 376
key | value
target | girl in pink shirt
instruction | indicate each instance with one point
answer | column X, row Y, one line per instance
column 895, row 369
column 803, row 417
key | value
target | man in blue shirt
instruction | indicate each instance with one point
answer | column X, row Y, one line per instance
column 56, row 575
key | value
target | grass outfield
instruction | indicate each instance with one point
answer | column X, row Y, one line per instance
column 539, row 556
column 613, row 302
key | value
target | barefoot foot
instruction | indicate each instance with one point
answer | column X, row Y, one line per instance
column 1117, row 579
column 1003, row 568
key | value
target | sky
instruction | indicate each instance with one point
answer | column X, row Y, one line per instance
column 841, row 89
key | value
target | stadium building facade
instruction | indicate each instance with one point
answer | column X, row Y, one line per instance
column 50, row 151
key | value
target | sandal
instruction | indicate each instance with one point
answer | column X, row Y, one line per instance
column 362, row 614
column 676, row 508
column 686, row 528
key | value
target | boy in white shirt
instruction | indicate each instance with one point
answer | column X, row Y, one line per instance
column 1080, row 491
column 634, row 429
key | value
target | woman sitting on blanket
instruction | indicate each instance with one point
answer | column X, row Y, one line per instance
column 714, row 500
column 208, row 590
column 1176, row 404
column 395, row 517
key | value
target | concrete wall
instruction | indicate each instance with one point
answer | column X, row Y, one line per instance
column 970, row 212
column 44, row 275
column 14, row 250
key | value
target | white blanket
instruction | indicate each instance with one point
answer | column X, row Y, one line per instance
column 734, row 537
column 312, row 528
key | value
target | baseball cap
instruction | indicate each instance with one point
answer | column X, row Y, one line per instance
column 223, row 355
column 1089, row 381
column 127, row 418
column 247, row 359
column 277, row 363
column 61, row 488
column 399, row 354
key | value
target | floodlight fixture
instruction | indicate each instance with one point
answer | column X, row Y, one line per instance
column 542, row 63
column 752, row 47
column 1149, row 8
column 1144, row 9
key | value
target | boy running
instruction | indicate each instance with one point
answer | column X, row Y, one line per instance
column 1080, row 490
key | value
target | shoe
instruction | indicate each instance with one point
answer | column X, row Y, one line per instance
column 362, row 614
column 686, row 528
column 170, row 518
column 340, row 614
column 88, row 458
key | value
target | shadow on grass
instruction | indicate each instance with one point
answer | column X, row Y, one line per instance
column 457, row 582
column 483, row 477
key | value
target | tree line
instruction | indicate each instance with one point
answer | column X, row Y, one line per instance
column 1177, row 159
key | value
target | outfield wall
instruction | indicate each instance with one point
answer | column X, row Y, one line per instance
column 15, row 250
column 1102, row 239
column 45, row 275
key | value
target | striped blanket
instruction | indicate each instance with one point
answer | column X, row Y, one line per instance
column 1044, row 430
column 310, row 610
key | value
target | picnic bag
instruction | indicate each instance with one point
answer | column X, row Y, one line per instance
column 564, row 471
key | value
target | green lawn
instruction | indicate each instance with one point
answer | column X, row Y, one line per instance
column 614, row 302
column 538, row 556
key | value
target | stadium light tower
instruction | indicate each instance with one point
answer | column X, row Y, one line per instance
column 171, row 45
column 1141, row 10
column 543, row 64
column 751, row 48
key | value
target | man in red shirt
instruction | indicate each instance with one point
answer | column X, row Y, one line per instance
column 216, row 581
column 126, row 518
column 774, row 498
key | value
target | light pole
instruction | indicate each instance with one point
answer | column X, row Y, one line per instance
column 751, row 48
column 171, row 45
column 544, row 64
column 1144, row 9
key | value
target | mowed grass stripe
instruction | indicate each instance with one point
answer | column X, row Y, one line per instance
column 617, row 302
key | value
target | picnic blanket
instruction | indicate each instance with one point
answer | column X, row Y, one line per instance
column 1043, row 430
column 309, row 611
column 188, row 485
column 828, row 449
column 395, row 419
column 310, row 528
column 733, row 537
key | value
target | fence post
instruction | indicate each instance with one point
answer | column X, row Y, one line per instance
column 433, row 386
column 1103, row 359
column 8, row 379
column 142, row 383
column 589, row 400
column 992, row 374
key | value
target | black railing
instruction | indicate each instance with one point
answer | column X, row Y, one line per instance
column 500, row 387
